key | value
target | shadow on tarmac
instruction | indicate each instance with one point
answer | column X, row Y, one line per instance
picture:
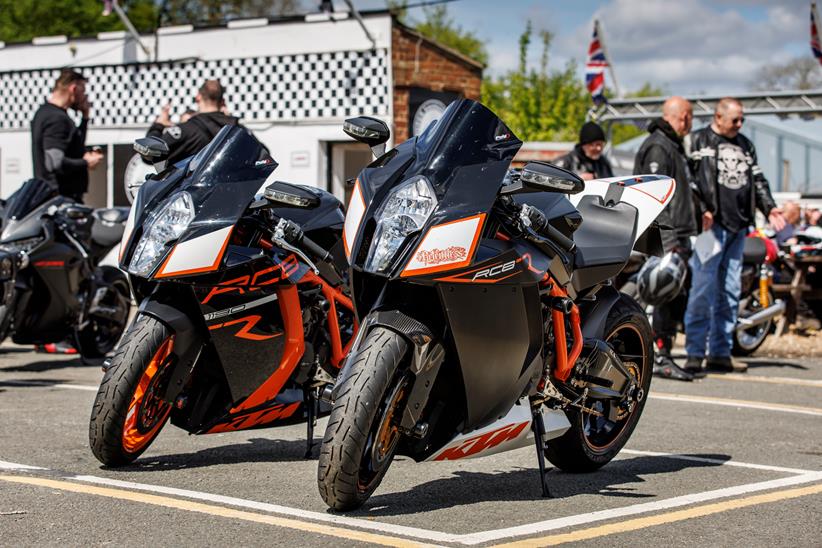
column 45, row 365
column 254, row 450
column 753, row 363
column 465, row 488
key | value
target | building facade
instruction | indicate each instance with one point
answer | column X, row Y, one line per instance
column 291, row 81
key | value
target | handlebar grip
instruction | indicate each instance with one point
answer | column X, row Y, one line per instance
column 559, row 238
column 295, row 235
column 540, row 225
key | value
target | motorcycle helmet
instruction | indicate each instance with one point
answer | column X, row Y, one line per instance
column 661, row 278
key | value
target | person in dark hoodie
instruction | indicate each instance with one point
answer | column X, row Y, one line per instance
column 663, row 153
column 587, row 160
column 189, row 137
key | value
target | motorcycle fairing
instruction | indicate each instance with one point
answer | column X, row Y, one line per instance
column 464, row 155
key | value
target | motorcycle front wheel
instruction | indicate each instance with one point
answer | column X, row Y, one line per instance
column 362, row 433
column 129, row 411
column 594, row 440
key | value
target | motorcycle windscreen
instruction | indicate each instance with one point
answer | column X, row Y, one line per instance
column 222, row 180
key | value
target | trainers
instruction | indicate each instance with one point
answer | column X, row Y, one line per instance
column 55, row 348
column 665, row 367
column 725, row 364
column 693, row 365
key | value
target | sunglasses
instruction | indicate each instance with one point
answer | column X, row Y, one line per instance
column 739, row 120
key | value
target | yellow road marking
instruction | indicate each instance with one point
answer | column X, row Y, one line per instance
column 741, row 403
column 169, row 502
column 768, row 380
column 660, row 519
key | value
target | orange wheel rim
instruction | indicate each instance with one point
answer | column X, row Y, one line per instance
column 147, row 411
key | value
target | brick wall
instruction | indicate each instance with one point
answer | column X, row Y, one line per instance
column 422, row 63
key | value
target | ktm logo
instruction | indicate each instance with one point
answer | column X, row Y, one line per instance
column 439, row 256
column 494, row 270
column 277, row 412
column 478, row 444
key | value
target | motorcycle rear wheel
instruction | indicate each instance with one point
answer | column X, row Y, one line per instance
column 128, row 412
column 748, row 341
column 362, row 436
column 592, row 441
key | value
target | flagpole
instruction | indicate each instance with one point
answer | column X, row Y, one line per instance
column 608, row 58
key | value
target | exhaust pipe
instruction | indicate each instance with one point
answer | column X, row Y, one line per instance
column 773, row 311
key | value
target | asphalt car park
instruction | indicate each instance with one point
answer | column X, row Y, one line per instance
column 732, row 460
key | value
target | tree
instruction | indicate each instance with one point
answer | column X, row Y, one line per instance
column 439, row 26
column 22, row 20
column 799, row 73
column 538, row 105
column 212, row 12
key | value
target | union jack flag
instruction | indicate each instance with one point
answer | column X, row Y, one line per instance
column 816, row 46
column 595, row 68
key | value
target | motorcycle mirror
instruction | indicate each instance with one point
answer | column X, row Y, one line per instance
column 290, row 195
column 371, row 131
column 153, row 150
column 550, row 178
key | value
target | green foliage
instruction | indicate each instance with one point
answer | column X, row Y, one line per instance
column 22, row 20
column 625, row 132
column 439, row 26
column 538, row 104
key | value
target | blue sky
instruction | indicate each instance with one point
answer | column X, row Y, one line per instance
column 686, row 46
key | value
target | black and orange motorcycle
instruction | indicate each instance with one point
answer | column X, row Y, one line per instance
column 243, row 307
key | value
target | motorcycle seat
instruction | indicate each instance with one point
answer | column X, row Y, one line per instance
column 754, row 251
column 604, row 240
column 108, row 226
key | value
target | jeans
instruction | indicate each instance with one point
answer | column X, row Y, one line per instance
column 713, row 302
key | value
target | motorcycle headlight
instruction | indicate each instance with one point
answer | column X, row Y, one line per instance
column 405, row 211
column 166, row 225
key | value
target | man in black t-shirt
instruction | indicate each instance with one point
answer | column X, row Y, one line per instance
column 731, row 186
column 58, row 146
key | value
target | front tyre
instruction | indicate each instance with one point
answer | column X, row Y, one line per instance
column 129, row 411
column 362, row 432
column 592, row 441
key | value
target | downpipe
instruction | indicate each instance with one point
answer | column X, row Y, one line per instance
column 764, row 315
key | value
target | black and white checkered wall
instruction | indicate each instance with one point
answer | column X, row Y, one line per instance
column 273, row 88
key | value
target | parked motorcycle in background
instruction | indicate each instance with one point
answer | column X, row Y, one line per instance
column 53, row 286
column 243, row 311
column 488, row 317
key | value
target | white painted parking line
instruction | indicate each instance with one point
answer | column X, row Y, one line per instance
column 744, row 377
column 721, row 462
column 278, row 509
column 4, row 465
column 46, row 384
column 762, row 406
column 634, row 509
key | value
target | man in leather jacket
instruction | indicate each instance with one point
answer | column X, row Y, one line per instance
column 189, row 137
column 586, row 160
column 663, row 153
column 731, row 187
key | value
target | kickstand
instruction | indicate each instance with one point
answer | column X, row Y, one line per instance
column 311, row 405
column 539, row 431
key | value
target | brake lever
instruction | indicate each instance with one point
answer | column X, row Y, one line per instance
column 279, row 239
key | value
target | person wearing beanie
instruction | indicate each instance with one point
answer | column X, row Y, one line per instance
column 586, row 159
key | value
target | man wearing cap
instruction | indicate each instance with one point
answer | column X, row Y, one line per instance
column 587, row 160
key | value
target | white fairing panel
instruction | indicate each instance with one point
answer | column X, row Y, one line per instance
column 353, row 218
column 200, row 254
column 648, row 193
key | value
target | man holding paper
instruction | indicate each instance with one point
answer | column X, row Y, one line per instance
column 731, row 186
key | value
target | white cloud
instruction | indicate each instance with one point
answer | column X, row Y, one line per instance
column 689, row 46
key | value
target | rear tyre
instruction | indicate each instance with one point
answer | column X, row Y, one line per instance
column 128, row 411
column 748, row 341
column 593, row 441
column 362, row 433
